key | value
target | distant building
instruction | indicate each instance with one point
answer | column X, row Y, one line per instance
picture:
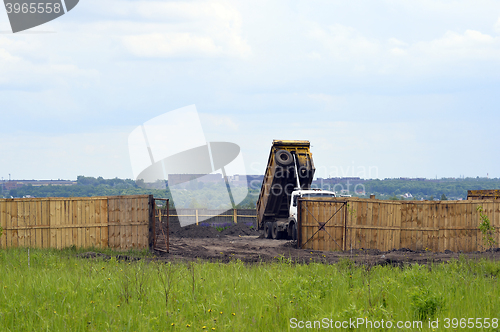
column 15, row 184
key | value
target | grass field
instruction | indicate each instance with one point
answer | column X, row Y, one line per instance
column 60, row 292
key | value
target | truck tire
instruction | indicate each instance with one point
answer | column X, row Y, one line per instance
column 283, row 158
column 268, row 230
column 294, row 232
column 276, row 234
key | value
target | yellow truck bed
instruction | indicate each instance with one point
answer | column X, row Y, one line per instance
column 280, row 178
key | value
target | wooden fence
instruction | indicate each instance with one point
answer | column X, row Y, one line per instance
column 118, row 222
column 352, row 223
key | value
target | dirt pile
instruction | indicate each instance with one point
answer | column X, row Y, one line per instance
column 207, row 231
column 253, row 250
column 192, row 231
column 241, row 229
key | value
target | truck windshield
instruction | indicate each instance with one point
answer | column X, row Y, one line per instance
column 318, row 195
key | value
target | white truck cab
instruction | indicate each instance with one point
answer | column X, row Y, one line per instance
column 289, row 226
column 313, row 193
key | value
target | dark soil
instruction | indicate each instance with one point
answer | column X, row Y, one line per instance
column 244, row 242
column 191, row 231
column 252, row 249
column 240, row 230
column 194, row 231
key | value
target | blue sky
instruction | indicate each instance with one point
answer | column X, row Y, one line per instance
column 380, row 88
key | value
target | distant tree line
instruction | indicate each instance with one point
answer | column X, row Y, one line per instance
column 213, row 194
column 450, row 188
column 88, row 187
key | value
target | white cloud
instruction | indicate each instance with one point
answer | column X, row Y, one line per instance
column 214, row 122
column 398, row 51
column 170, row 44
column 201, row 28
column 344, row 43
column 23, row 65
column 346, row 51
column 469, row 45
column 397, row 42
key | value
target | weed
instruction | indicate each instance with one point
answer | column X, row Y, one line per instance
column 486, row 228
column 282, row 259
column 166, row 276
column 142, row 275
column 351, row 313
column 346, row 264
column 191, row 266
column 425, row 304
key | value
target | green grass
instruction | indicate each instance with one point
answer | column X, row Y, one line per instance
column 60, row 292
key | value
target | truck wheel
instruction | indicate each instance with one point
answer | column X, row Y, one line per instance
column 268, row 230
column 275, row 232
column 294, row 232
column 284, row 158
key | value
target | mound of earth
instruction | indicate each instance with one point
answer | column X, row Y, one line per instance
column 241, row 229
column 193, row 231
column 207, row 231
column 254, row 250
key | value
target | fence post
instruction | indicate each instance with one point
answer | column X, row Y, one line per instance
column 235, row 215
column 152, row 228
column 299, row 222
column 168, row 225
column 196, row 217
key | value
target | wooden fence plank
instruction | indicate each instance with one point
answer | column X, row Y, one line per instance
column 45, row 214
column 59, row 222
column 462, row 245
column 86, row 221
column 74, row 221
column 412, row 222
column 80, row 207
column 496, row 220
column 112, row 221
column 104, row 221
column 37, row 207
column 21, row 222
column 29, row 220
column 384, row 222
column 122, row 205
column 376, row 219
column 3, row 224
column 397, row 233
column 10, row 224
column 66, row 220
column 128, row 228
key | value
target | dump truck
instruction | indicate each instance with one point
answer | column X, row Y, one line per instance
column 289, row 174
